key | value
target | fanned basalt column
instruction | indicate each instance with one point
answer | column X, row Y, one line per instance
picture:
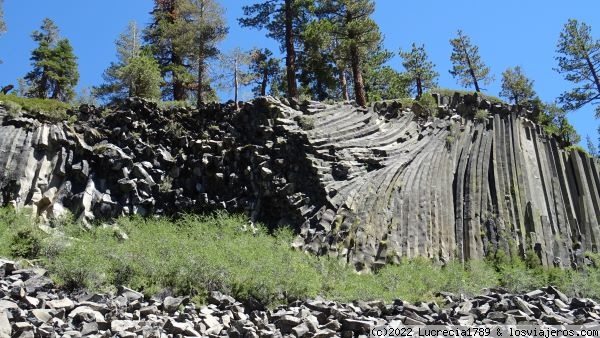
column 367, row 185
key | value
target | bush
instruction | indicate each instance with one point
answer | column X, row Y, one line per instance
column 482, row 115
column 425, row 106
column 305, row 122
column 13, row 109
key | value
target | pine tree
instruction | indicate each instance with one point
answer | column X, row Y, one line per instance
column 206, row 28
column 419, row 69
column 516, row 86
column 54, row 73
column 554, row 120
column 466, row 63
column 592, row 149
column 382, row 82
column 284, row 20
column 235, row 72
column 356, row 34
column 265, row 67
column 579, row 61
column 164, row 40
column 135, row 74
column 316, row 61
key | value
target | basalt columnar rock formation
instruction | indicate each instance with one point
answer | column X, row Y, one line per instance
column 369, row 185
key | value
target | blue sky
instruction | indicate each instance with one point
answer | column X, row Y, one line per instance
column 508, row 33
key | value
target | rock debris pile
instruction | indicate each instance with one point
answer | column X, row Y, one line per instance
column 31, row 306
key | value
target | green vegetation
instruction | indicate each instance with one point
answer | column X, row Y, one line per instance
column 467, row 65
column 197, row 254
column 53, row 110
column 482, row 115
column 54, row 74
column 306, row 122
column 419, row 69
column 136, row 74
column 425, row 106
column 578, row 61
column 516, row 86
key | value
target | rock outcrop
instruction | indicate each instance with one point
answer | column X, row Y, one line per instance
column 368, row 185
column 31, row 306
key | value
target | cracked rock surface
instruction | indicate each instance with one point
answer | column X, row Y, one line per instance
column 367, row 185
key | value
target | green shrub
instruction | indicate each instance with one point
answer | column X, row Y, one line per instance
column 26, row 243
column 482, row 115
column 13, row 109
column 305, row 122
column 425, row 106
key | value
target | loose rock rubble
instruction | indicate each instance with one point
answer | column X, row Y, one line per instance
column 32, row 306
column 367, row 185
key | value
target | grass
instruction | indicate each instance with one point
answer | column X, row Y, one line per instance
column 53, row 110
column 198, row 254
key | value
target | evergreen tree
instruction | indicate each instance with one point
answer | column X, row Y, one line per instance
column 382, row 82
column 54, row 73
column 182, row 37
column 204, row 30
column 554, row 120
column 356, row 34
column 579, row 61
column 135, row 74
column 284, row 20
column 516, row 86
column 466, row 63
column 592, row 149
column 165, row 39
column 419, row 69
column 265, row 67
column 235, row 71
column 316, row 61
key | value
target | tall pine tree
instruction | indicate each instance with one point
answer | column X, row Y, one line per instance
column 285, row 21
column 467, row 65
column 183, row 37
column 135, row 74
column 356, row 34
column 54, row 73
column 516, row 86
column 420, row 70
column 265, row 67
column 579, row 61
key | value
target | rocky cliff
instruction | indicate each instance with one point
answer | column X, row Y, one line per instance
column 369, row 185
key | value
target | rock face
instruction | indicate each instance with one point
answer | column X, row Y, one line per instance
column 31, row 306
column 367, row 185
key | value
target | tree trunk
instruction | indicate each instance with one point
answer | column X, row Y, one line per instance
column 594, row 73
column 471, row 70
column 344, row 84
column 236, row 84
column 290, row 59
column 200, row 88
column 359, row 86
column 265, row 80
column 419, row 87
column 178, row 87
